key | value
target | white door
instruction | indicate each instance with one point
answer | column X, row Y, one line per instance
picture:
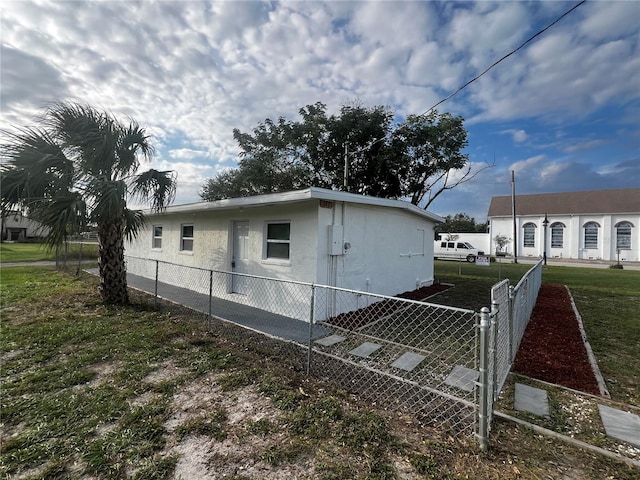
column 240, row 256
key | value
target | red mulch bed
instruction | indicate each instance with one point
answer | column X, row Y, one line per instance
column 552, row 348
column 358, row 318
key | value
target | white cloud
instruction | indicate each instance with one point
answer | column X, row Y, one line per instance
column 187, row 153
column 527, row 165
column 192, row 71
column 587, row 145
column 518, row 136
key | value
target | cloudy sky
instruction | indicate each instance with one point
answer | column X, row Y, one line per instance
column 563, row 112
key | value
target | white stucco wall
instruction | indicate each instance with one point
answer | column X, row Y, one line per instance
column 213, row 240
column 573, row 244
column 391, row 251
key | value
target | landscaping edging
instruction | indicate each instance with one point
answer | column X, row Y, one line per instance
column 604, row 391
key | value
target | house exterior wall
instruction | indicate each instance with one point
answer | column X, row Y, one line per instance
column 390, row 251
column 212, row 240
column 362, row 247
column 17, row 227
column 573, row 245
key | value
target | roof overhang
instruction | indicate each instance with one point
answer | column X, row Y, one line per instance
column 296, row 196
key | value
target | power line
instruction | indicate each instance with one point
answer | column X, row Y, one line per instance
column 520, row 47
column 530, row 39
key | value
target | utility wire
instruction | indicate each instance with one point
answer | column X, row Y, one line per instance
column 530, row 39
column 520, row 47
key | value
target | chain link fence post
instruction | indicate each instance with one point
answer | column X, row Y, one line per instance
column 210, row 298
column 495, row 308
column 155, row 288
column 311, row 315
column 511, row 320
column 484, row 387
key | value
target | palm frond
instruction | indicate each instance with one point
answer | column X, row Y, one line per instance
column 34, row 167
column 90, row 134
column 133, row 221
column 132, row 144
column 109, row 200
column 61, row 217
column 156, row 187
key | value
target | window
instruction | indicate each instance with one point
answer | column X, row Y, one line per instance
column 591, row 235
column 451, row 245
column 186, row 238
column 529, row 234
column 157, row 237
column 623, row 236
column 278, row 240
column 443, row 245
column 462, row 245
column 557, row 235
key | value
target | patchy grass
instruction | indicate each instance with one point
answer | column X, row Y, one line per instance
column 608, row 302
column 134, row 392
column 571, row 414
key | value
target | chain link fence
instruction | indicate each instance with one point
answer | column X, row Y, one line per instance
column 75, row 256
column 440, row 363
column 511, row 309
column 415, row 355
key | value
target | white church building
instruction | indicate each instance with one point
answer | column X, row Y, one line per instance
column 587, row 225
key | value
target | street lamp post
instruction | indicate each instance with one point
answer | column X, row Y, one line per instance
column 545, row 223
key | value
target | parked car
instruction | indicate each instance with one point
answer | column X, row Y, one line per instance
column 455, row 250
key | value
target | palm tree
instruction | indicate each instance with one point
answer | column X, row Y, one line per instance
column 79, row 167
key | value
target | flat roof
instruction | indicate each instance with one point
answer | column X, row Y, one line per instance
column 311, row 193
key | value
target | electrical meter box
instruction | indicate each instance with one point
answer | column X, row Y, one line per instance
column 336, row 240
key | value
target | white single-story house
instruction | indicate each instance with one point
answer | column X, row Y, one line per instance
column 313, row 235
column 587, row 225
column 18, row 228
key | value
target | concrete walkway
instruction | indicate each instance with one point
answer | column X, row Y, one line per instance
column 274, row 325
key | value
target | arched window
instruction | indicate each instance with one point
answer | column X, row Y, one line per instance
column 557, row 235
column 623, row 235
column 529, row 234
column 591, row 235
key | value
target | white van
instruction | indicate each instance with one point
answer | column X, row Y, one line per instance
column 455, row 250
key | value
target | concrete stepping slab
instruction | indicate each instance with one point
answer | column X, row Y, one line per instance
column 621, row 425
column 532, row 400
column 330, row 340
column 463, row 378
column 408, row 361
column 366, row 349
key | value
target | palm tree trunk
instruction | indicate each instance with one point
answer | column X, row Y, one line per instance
column 113, row 270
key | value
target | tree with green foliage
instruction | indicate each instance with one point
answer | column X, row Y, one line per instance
column 79, row 166
column 413, row 159
column 460, row 223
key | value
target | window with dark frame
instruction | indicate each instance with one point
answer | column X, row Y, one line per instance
column 623, row 236
column 529, row 234
column 278, row 240
column 557, row 235
column 157, row 236
column 591, row 235
column 186, row 238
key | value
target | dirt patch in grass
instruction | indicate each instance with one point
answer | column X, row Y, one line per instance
column 166, row 372
column 552, row 348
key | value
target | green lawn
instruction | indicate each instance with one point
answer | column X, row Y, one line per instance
column 608, row 301
column 92, row 391
column 35, row 252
